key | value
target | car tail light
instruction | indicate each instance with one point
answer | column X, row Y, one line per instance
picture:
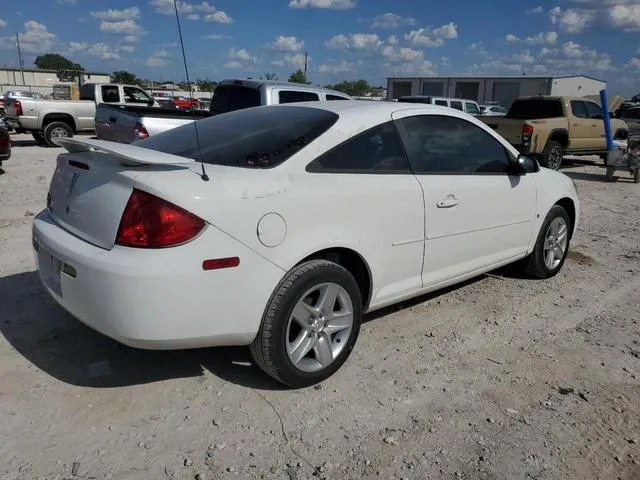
column 140, row 132
column 527, row 130
column 150, row 222
column 18, row 106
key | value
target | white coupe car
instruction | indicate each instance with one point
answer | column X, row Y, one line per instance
column 278, row 227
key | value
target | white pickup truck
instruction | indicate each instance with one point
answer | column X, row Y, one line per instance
column 50, row 119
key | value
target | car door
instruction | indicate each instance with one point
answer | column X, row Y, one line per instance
column 477, row 214
column 597, row 138
column 580, row 127
column 369, row 187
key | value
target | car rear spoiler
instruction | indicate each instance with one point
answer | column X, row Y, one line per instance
column 127, row 154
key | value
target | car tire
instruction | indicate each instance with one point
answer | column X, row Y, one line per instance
column 39, row 138
column 636, row 175
column 57, row 130
column 552, row 245
column 552, row 156
column 303, row 340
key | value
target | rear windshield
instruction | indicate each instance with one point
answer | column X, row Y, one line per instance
column 228, row 98
column 261, row 137
column 535, row 108
column 414, row 99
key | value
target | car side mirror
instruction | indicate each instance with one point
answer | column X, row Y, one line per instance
column 526, row 164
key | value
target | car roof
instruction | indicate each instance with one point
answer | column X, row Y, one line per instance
column 256, row 83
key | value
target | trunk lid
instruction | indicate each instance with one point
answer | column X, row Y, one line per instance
column 92, row 184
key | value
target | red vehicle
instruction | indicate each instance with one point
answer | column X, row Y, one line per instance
column 184, row 102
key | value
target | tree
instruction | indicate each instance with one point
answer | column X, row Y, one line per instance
column 270, row 76
column 122, row 76
column 54, row 61
column 359, row 88
column 206, row 85
column 299, row 77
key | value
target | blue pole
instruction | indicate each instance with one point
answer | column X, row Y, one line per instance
column 607, row 121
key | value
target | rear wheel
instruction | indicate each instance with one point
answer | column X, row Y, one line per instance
column 552, row 157
column 57, row 130
column 39, row 138
column 310, row 324
column 552, row 245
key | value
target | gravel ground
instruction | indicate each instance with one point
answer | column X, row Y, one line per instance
column 500, row 378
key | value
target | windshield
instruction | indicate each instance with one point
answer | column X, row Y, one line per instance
column 262, row 137
column 535, row 108
column 228, row 98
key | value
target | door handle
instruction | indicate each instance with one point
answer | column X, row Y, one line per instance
column 450, row 201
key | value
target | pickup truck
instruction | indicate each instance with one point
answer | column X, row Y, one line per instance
column 50, row 119
column 548, row 127
column 127, row 124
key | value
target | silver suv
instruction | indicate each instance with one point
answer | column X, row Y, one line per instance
column 238, row 94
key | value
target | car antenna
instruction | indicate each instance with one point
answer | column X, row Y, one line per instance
column 204, row 175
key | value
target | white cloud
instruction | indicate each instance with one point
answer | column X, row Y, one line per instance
column 401, row 54
column 102, row 51
column 278, row 63
column 392, row 40
column 127, row 48
column 218, row 17
column 158, row 59
column 572, row 20
column 626, row 17
column 112, row 15
column 124, row 27
column 409, row 69
column 390, row 20
column 130, row 38
column 77, row 46
column 3, row 23
column 336, row 68
column 241, row 54
column 363, row 42
column 216, row 36
column 297, row 60
column 634, row 64
column 36, row 38
column 66, row 2
column 166, row 7
column 286, row 44
column 428, row 37
column 233, row 64
column 193, row 16
column 329, row 4
column 536, row 10
column 542, row 38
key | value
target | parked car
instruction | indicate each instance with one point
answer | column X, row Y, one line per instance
column 5, row 144
column 468, row 106
column 549, row 127
column 186, row 103
column 308, row 216
column 126, row 125
column 50, row 119
column 631, row 116
column 493, row 110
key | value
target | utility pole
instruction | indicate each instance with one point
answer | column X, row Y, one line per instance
column 306, row 56
column 20, row 61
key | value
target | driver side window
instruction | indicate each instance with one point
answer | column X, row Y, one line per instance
column 442, row 145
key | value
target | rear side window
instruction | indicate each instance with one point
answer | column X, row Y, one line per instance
column 291, row 96
column 258, row 138
column 229, row 98
column 443, row 103
column 456, row 105
column 110, row 94
column 578, row 109
column 528, row 109
column 377, row 150
column 335, row 97
column 593, row 110
column 135, row 95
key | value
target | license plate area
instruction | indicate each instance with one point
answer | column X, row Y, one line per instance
column 50, row 268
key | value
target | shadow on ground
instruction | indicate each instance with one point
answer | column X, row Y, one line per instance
column 58, row 344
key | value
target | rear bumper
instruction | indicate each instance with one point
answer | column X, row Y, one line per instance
column 157, row 299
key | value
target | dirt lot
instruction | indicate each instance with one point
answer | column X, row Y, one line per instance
column 501, row 378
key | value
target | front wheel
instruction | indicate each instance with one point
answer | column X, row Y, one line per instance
column 310, row 325
column 552, row 245
column 57, row 130
column 552, row 157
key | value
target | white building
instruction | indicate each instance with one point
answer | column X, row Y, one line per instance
column 497, row 89
column 41, row 81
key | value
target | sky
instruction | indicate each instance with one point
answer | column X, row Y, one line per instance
column 345, row 39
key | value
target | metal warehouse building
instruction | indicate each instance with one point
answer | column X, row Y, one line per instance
column 498, row 89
